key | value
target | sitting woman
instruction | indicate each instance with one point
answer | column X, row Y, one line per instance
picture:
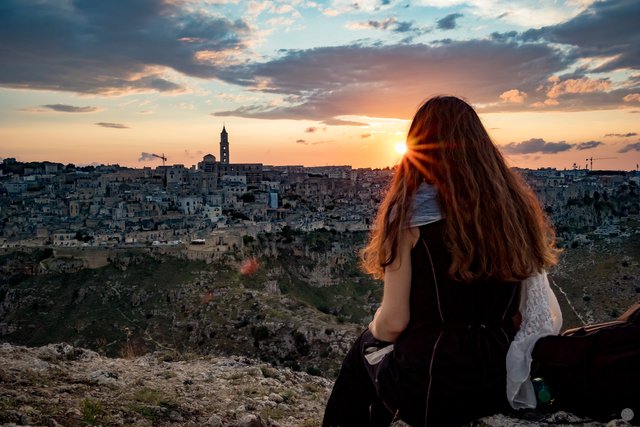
column 462, row 244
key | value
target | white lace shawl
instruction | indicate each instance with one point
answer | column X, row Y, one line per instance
column 541, row 316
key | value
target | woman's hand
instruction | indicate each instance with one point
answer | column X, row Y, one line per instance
column 392, row 316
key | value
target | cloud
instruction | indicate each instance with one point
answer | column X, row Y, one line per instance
column 630, row 147
column 385, row 24
column 606, row 29
column 632, row 97
column 513, row 96
column 365, row 135
column 60, row 108
column 389, row 80
column 70, row 108
column 340, row 122
column 622, row 135
column 146, row 157
column 588, row 145
column 301, row 141
column 536, row 145
column 311, row 129
column 448, row 22
column 583, row 85
column 110, row 47
column 389, row 24
column 524, row 13
column 112, row 125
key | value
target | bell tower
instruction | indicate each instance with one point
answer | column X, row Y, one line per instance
column 224, row 146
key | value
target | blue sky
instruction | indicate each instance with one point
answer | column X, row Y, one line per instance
column 315, row 82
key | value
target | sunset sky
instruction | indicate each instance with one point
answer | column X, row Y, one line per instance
column 315, row 82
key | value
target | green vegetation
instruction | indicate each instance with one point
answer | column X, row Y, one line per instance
column 141, row 303
column 91, row 410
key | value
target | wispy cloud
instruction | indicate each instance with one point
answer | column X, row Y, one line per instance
column 622, row 135
column 365, row 135
column 389, row 24
column 61, row 108
column 536, row 145
column 339, row 122
column 588, row 145
column 70, row 108
column 630, row 147
column 112, row 125
column 582, row 85
column 146, row 157
column 301, row 141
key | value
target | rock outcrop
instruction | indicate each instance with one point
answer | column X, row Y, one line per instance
column 59, row 384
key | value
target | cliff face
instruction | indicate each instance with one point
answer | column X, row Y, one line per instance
column 63, row 385
column 179, row 307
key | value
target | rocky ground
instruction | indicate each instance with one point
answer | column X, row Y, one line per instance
column 59, row 384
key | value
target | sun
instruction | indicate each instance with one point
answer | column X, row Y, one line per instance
column 401, row 148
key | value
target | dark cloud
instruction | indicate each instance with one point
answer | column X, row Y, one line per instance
column 504, row 37
column 393, row 25
column 536, row 145
column 311, row 129
column 448, row 22
column 588, row 145
column 112, row 125
column 107, row 47
column 381, row 25
column 70, row 108
column 389, row 81
column 605, row 29
column 622, row 135
column 301, row 141
column 146, row 157
column 630, row 147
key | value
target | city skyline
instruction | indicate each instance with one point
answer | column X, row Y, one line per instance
column 315, row 83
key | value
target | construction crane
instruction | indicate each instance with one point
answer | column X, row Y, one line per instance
column 591, row 159
column 164, row 159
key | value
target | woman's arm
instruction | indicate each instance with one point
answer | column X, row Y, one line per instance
column 392, row 316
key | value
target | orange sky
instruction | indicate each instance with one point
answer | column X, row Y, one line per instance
column 315, row 83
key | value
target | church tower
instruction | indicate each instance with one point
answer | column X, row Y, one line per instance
column 224, row 146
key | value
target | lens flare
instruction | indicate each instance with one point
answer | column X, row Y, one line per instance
column 249, row 267
column 401, row 148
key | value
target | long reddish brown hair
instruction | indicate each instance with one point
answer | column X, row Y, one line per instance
column 494, row 226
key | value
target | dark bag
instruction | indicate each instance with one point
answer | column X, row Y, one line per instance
column 595, row 369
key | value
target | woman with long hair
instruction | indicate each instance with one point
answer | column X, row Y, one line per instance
column 462, row 245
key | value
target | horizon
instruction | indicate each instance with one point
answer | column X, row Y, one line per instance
column 195, row 165
column 307, row 83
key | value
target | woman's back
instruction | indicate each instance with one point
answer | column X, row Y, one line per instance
column 451, row 355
